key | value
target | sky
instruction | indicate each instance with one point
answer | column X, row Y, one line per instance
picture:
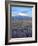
column 22, row 11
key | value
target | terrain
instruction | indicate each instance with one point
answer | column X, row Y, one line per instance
column 21, row 26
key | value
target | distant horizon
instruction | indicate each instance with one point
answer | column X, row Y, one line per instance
column 23, row 16
column 21, row 11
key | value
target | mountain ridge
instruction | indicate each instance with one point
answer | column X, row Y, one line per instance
column 22, row 17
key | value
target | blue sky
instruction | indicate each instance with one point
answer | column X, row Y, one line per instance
column 23, row 11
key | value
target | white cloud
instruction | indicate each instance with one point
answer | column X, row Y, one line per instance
column 23, row 14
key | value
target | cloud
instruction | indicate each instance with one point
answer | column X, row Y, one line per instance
column 22, row 14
